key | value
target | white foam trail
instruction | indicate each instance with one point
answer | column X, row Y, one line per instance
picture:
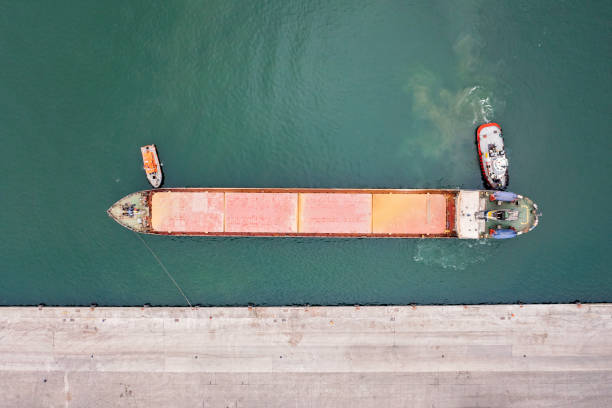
column 482, row 107
column 451, row 255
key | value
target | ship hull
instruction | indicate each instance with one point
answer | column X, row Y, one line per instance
column 342, row 213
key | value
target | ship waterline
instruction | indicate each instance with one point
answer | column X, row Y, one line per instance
column 393, row 213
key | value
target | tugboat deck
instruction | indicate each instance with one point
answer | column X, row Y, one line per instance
column 490, row 136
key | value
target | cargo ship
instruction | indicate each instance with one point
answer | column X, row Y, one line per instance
column 288, row 212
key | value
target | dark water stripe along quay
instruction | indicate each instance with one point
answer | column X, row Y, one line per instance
column 442, row 356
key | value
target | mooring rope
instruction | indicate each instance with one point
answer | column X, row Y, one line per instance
column 164, row 268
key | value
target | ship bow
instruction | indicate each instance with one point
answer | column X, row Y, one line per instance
column 132, row 211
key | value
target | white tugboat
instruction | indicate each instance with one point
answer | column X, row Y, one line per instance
column 493, row 160
column 151, row 165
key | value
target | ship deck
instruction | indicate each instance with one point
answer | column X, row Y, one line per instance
column 136, row 221
column 303, row 212
column 526, row 218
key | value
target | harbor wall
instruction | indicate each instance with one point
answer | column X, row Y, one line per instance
column 422, row 356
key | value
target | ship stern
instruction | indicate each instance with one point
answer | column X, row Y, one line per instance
column 532, row 214
column 507, row 214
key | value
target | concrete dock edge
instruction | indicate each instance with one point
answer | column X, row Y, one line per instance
column 374, row 356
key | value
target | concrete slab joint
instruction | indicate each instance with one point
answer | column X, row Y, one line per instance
column 362, row 356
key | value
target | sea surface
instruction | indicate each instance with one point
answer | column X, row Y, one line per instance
column 293, row 93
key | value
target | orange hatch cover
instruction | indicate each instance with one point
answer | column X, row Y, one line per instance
column 295, row 212
column 409, row 213
column 335, row 213
column 187, row 212
column 261, row 212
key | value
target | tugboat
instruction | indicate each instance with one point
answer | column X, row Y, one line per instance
column 152, row 166
column 493, row 160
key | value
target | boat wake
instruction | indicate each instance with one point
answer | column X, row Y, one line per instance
column 451, row 112
column 446, row 106
column 462, row 255
column 480, row 102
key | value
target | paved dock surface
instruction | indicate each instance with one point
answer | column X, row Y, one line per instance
column 425, row 356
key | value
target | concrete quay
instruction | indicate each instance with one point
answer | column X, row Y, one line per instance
column 391, row 356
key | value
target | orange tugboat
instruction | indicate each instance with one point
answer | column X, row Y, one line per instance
column 151, row 165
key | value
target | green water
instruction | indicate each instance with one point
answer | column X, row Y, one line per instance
column 300, row 94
